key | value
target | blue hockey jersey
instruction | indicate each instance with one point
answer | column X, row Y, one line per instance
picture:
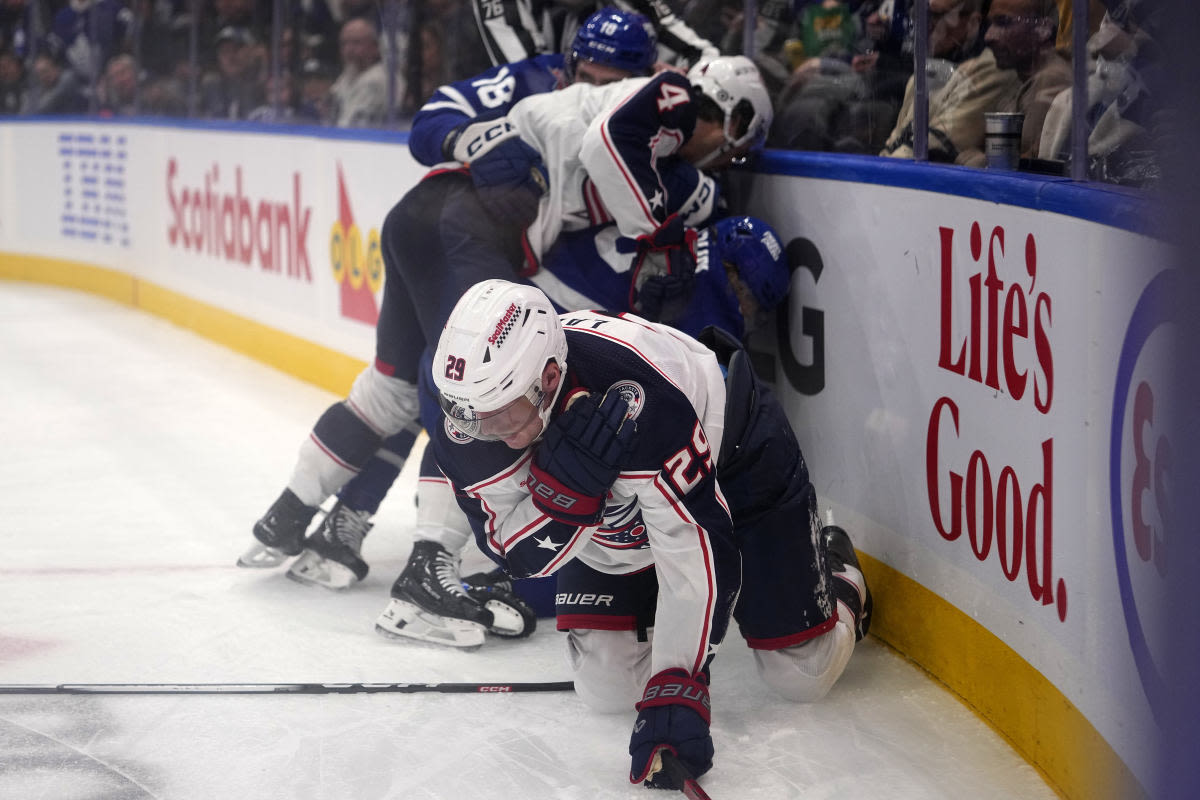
column 487, row 95
column 585, row 269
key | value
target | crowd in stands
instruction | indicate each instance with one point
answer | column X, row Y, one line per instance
column 840, row 71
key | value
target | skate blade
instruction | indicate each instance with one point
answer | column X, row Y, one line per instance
column 506, row 621
column 260, row 556
column 312, row 569
column 403, row 620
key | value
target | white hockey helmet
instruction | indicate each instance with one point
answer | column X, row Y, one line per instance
column 736, row 86
column 493, row 350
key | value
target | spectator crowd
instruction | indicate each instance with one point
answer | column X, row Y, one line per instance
column 840, row 72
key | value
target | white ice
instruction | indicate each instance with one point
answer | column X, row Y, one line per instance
column 134, row 457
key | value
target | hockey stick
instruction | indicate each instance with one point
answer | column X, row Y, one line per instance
column 668, row 762
column 285, row 688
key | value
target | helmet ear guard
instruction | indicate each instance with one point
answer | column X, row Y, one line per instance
column 623, row 40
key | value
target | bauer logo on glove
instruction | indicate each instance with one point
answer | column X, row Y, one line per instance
column 582, row 453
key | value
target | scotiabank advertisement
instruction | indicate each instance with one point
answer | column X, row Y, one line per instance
column 283, row 230
column 980, row 393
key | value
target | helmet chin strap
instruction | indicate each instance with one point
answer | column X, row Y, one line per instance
column 725, row 147
column 545, row 408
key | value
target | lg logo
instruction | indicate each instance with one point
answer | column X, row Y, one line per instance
column 806, row 378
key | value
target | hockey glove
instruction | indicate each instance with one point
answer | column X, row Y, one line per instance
column 580, row 457
column 666, row 257
column 674, row 714
column 509, row 175
column 665, row 298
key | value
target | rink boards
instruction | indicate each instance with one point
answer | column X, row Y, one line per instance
column 976, row 366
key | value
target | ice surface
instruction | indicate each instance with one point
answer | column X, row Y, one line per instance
column 135, row 458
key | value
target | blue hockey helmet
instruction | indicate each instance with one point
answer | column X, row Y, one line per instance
column 623, row 40
column 755, row 250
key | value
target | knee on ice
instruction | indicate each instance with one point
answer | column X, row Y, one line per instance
column 610, row 668
column 805, row 673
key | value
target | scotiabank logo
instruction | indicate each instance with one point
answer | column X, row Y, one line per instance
column 1141, row 458
column 357, row 261
column 1005, row 345
column 214, row 216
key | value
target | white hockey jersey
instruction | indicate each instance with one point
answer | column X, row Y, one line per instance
column 604, row 148
column 666, row 508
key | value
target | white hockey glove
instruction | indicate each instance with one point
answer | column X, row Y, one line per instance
column 509, row 175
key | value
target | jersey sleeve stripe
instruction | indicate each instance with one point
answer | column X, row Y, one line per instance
column 500, row 476
column 709, row 572
column 622, row 167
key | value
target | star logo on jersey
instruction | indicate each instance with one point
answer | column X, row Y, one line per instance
column 656, row 199
column 547, row 544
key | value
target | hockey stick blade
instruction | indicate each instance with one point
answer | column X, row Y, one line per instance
column 682, row 776
column 286, row 688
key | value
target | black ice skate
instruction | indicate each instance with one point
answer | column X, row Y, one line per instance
column 429, row 603
column 512, row 617
column 849, row 584
column 280, row 533
column 331, row 556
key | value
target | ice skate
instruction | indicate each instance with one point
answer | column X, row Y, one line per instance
column 280, row 532
column 512, row 617
column 429, row 603
column 850, row 586
column 331, row 556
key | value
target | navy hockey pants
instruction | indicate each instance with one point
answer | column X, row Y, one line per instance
column 438, row 241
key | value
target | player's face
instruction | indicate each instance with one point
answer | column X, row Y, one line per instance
column 707, row 139
column 747, row 303
column 599, row 74
column 706, row 148
column 518, row 424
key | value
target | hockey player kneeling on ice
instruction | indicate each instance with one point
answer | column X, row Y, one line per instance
column 603, row 449
column 740, row 274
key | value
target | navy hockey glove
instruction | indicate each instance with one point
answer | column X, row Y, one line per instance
column 674, row 714
column 664, row 298
column 580, row 457
column 509, row 175
column 666, row 259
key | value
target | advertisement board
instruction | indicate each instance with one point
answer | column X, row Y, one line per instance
column 980, row 392
column 277, row 229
